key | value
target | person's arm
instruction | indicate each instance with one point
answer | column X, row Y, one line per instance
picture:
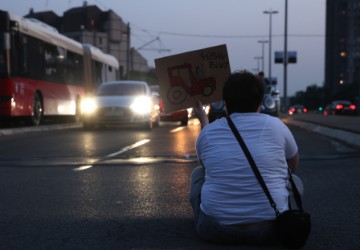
column 293, row 162
column 200, row 114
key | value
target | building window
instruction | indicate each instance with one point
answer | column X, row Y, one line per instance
column 343, row 54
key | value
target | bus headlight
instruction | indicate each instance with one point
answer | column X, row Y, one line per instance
column 141, row 105
column 88, row 106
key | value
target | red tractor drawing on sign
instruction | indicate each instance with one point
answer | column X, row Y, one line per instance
column 184, row 81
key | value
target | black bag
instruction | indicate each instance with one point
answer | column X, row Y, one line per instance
column 294, row 225
column 293, row 228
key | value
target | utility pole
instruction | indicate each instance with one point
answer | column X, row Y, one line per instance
column 270, row 12
column 258, row 58
column 262, row 53
column 285, row 57
column 128, row 52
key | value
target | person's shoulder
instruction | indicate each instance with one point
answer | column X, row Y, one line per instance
column 272, row 121
column 216, row 124
column 270, row 117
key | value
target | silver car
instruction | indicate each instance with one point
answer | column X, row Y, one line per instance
column 121, row 103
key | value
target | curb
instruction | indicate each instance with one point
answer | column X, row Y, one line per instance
column 338, row 134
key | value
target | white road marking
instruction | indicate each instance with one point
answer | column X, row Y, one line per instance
column 81, row 168
column 135, row 145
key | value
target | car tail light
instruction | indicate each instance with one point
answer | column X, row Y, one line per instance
column 161, row 105
column 339, row 106
column 352, row 107
column 305, row 110
column 291, row 111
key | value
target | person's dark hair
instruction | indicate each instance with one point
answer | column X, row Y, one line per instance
column 242, row 92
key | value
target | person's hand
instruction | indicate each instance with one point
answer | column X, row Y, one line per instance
column 200, row 114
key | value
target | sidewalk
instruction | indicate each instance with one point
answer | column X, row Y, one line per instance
column 343, row 128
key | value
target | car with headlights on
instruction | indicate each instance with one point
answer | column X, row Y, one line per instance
column 121, row 103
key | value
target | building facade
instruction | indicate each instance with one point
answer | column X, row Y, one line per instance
column 102, row 29
column 342, row 53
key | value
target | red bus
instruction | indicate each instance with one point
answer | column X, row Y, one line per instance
column 43, row 73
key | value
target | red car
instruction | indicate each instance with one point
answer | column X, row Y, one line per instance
column 177, row 116
column 297, row 109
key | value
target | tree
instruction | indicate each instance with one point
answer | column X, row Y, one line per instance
column 312, row 98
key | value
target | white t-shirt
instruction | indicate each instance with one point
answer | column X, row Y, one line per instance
column 231, row 193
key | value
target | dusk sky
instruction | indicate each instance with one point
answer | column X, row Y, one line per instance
column 186, row 25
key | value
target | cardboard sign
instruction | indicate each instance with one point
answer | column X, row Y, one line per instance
column 196, row 75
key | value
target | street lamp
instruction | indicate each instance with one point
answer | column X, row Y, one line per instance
column 263, row 49
column 285, row 54
column 270, row 12
column 258, row 58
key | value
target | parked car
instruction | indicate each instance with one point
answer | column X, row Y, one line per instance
column 340, row 107
column 121, row 102
column 181, row 116
column 297, row 109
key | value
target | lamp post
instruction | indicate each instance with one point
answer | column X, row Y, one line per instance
column 262, row 52
column 270, row 12
column 285, row 55
column 258, row 58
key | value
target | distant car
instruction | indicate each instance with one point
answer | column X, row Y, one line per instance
column 297, row 109
column 181, row 116
column 121, row 103
column 340, row 107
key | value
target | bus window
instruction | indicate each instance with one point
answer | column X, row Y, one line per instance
column 74, row 69
column 60, row 65
column 3, row 68
column 35, row 59
column 18, row 54
column 50, row 57
column 54, row 58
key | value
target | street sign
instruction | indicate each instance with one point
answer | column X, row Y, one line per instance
column 291, row 56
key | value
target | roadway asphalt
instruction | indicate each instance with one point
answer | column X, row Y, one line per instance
column 27, row 129
column 342, row 128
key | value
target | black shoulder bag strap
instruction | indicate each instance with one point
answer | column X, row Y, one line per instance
column 257, row 173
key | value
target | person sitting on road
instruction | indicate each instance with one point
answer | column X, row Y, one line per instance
column 228, row 202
